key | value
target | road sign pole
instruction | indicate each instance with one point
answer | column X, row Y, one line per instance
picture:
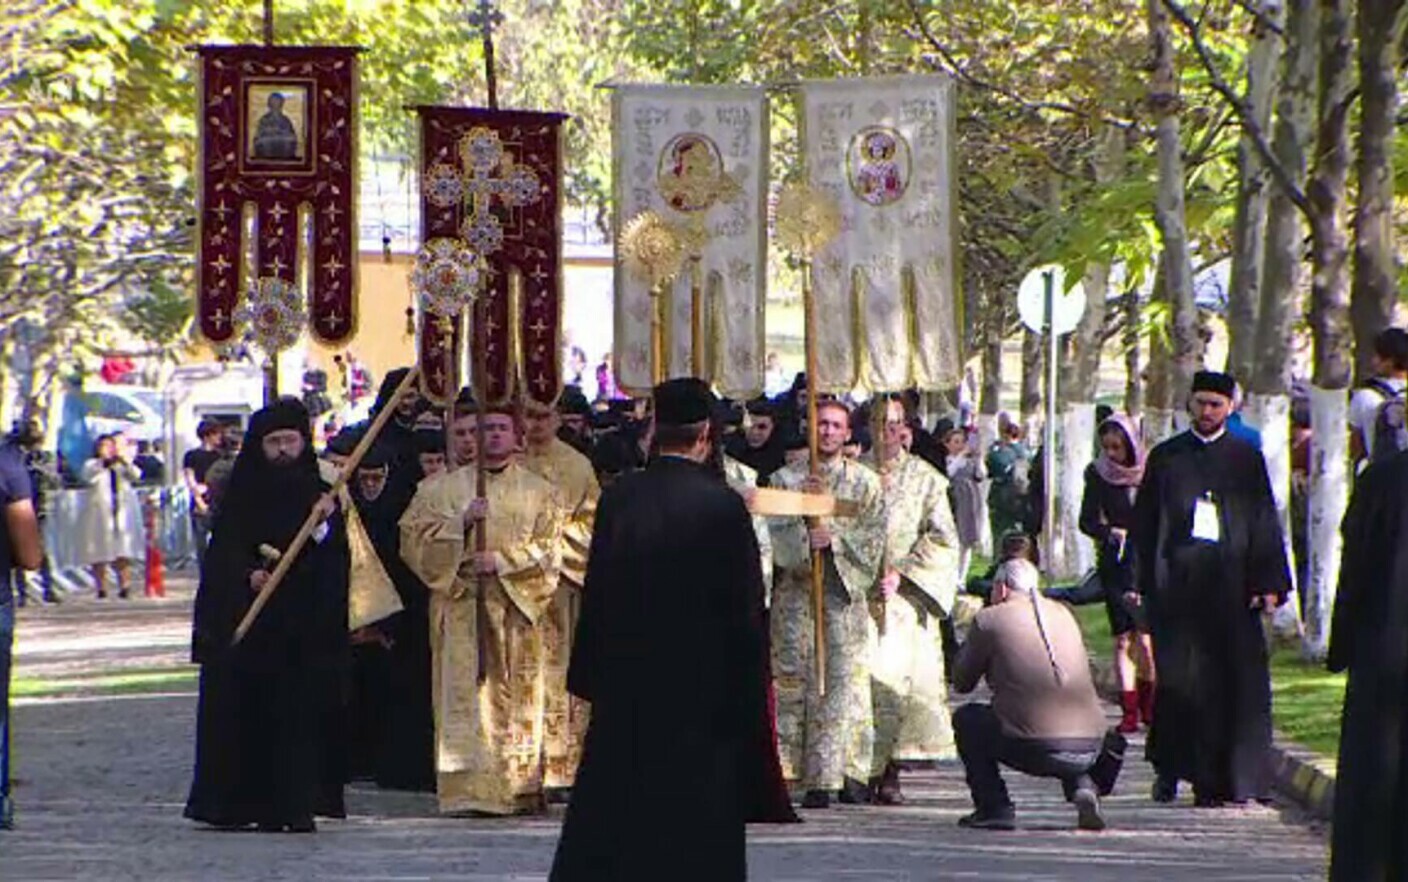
column 1049, row 458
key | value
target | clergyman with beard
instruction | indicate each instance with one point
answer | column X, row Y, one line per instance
column 265, row 752
column 1211, row 559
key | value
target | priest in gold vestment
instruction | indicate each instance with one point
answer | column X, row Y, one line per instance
column 571, row 474
column 826, row 742
column 487, row 651
column 915, row 591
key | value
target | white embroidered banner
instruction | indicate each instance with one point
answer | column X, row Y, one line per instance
column 889, row 310
column 668, row 141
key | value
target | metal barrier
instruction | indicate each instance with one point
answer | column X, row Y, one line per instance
column 61, row 527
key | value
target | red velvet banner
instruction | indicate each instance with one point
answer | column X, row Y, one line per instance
column 531, row 248
column 279, row 165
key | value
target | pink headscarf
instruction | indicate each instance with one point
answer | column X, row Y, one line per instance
column 1116, row 473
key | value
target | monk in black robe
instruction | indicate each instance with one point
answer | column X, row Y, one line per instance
column 396, row 650
column 1371, row 618
column 669, row 651
column 1211, row 559
column 266, row 751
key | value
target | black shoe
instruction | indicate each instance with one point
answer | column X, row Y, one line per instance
column 307, row 825
column 1165, row 789
column 817, row 799
column 102, row 595
column 885, row 790
column 1088, row 815
column 122, row 593
column 854, row 793
column 1003, row 820
column 1207, row 802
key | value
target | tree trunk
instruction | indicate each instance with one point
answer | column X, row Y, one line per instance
column 1133, row 381
column 1249, row 222
column 1375, row 290
column 1330, row 326
column 989, row 404
column 1033, row 361
column 1158, row 387
column 1169, row 214
column 1268, row 405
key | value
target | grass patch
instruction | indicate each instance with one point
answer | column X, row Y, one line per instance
column 127, row 683
column 1306, row 700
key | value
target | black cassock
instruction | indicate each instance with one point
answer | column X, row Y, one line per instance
column 268, row 736
column 396, row 702
column 1212, row 706
column 669, row 651
column 1370, row 640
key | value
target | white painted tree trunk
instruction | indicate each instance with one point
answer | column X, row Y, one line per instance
column 1158, row 426
column 1076, row 442
column 1329, row 497
column 1271, row 414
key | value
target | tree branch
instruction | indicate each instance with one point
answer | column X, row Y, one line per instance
column 950, row 64
column 1240, row 106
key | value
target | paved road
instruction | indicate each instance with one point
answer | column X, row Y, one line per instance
column 103, row 779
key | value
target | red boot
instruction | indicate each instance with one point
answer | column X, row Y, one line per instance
column 1129, row 704
column 1146, row 700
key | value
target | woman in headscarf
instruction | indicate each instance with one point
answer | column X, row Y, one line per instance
column 1106, row 515
column 267, row 749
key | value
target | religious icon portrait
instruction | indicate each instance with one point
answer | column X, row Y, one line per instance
column 277, row 122
column 691, row 173
column 878, row 163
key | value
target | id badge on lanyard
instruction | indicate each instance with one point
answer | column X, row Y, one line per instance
column 1207, row 526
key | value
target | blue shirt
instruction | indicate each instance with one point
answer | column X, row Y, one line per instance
column 1239, row 429
column 14, row 487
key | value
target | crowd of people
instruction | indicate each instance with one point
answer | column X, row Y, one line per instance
column 523, row 642
column 510, row 604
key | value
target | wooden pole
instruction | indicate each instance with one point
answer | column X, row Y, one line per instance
column 481, row 474
column 271, row 379
column 310, row 523
column 813, row 449
column 268, row 22
column 657, row 334
column 696, row 317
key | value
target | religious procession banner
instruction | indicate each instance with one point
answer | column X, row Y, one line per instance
column 278, row 181
column 888, row 304
column 697, row 156
column 491, row 180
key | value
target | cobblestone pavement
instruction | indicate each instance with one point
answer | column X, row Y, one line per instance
column 102, row 780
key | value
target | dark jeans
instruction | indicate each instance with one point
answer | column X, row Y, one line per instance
column 7, row 636
column 46, row 578
column 200, row 534
column 982, row 745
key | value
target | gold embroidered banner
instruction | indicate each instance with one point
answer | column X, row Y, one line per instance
column 889, row 308
column 697, row 156
column 278, row 182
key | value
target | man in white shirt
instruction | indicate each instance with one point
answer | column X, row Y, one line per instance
column 1390, row 362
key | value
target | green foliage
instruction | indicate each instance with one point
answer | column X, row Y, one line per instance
column 159, row 315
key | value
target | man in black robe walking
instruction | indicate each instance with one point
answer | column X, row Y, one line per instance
column 1211, row 559
column 1367, row 639
column 267, row 752
column 669, row 651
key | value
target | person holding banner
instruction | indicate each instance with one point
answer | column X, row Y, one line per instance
column 826, row 736
column 915, row 592
column 571, row 473
column 264, row 753
column 488, row 658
